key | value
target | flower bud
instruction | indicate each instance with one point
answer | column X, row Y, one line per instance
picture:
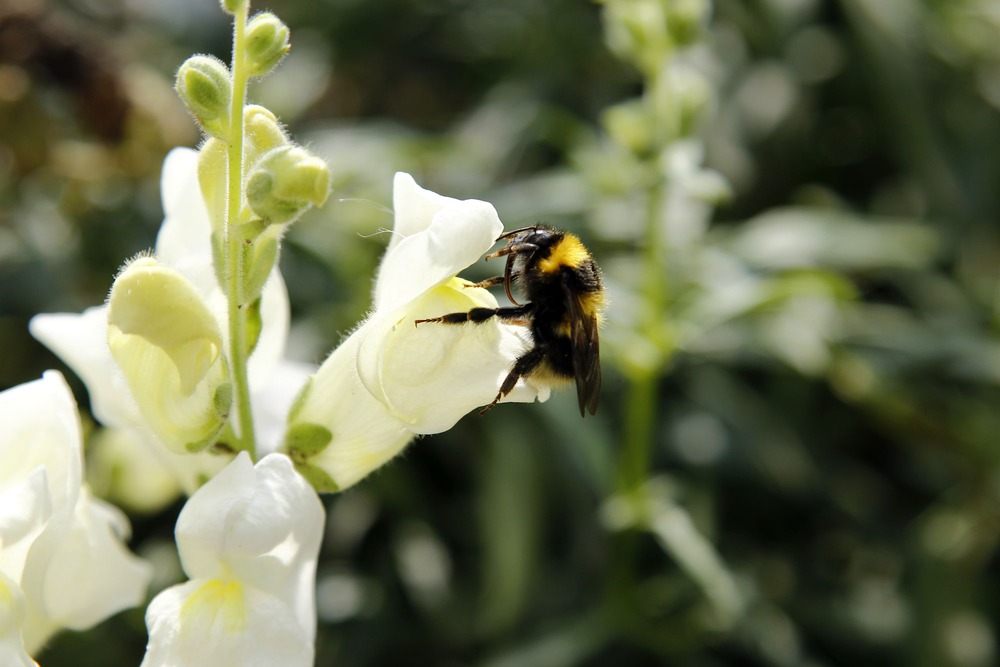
column 212, row 179
column 203, row 83
column 168, row 345
column 682, row 96
column 630, row 125
column 637, row 31
column 232, row 6
column 267, row 43
column 285, row 182
column 686, row 20
column 263, row 132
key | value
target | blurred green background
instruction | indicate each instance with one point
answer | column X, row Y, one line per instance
column 795, row 203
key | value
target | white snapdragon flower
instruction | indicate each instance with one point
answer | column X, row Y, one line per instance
column 249, row 540
column 392, row 380
column 60, row 548
column 12, row 651
column 183, row 262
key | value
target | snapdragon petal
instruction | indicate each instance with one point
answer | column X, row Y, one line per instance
column 210, row 622
column 275, row 313
column 272, row 402
column 259, row 524
column 454, row 238
column 431, row 375
column 184, row 238
column 158, row 305
column 414, row 207
column 40, row 487
column 167, row 343
column 41, row 433
column 41, row 428
column 81, row 341
column 12, row 613
column 365, row 435
column 25, row 508
column 92, row 575
column 184, row 244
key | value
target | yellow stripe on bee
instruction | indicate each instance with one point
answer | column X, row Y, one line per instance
column 568, row 252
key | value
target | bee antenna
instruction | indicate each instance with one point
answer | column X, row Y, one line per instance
column 514, row 232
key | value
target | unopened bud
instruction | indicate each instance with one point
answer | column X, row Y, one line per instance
column 286, row 182
column 263, row 132
column 203, row 83
column 267, row 43
column 686, row 21
column 232, row 6
column 168, row 345
column 630, row 125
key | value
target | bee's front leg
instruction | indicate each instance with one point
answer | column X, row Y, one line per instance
column 516, row 315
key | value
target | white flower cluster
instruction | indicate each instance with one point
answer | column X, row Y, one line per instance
column 153, row 362
column 185, row 366
column 62, row 561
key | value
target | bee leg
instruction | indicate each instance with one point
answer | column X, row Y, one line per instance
column 526, row 363
column 477, row 315
column 490, row 282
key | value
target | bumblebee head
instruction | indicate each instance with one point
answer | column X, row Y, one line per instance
column 523, row 246
column 538, row 236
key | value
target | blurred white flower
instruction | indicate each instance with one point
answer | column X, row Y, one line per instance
column 183, row 246
column 59, row 546
column 249, row 540
column 391, row 380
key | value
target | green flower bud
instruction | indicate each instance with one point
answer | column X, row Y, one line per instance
column 263, row 132
column 232, row 6
column 212, row 179
column 285, row 182
column 204, row 85
column 630, row 125
column 168, row 345
column 682, row 95
column 267, row 43
column 637, row 31
column 686, row 19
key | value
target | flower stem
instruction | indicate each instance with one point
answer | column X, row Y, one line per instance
column 640, row 404
column 238, row 351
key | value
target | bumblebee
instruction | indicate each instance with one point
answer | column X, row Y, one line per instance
column 565, row 297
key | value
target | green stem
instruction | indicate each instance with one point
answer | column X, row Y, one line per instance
column 640, row 419
column 640, row 401
column 238, row 352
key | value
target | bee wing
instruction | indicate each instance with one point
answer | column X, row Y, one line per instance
column 586, row 351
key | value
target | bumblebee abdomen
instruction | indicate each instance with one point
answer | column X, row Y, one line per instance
column 551, row 334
